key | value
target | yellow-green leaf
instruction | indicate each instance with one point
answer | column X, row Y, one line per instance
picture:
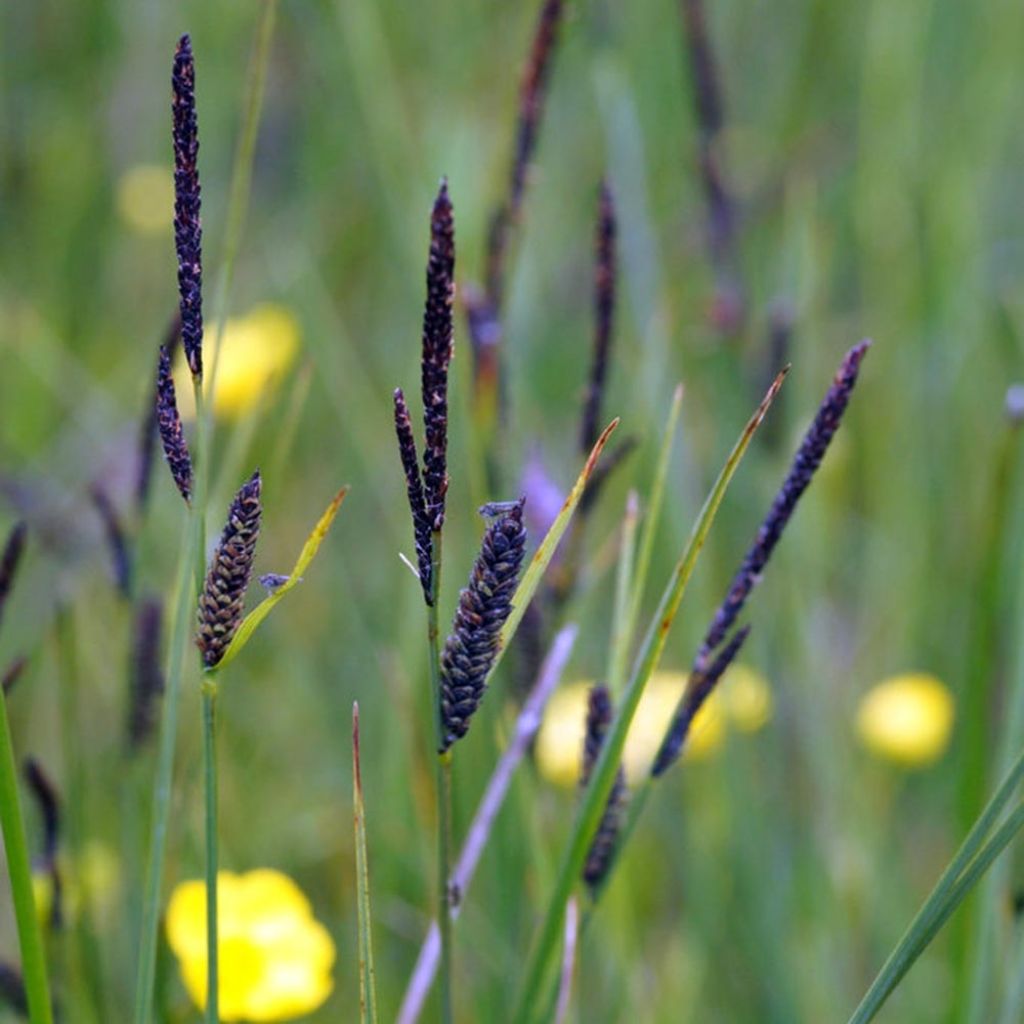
column 266, row 606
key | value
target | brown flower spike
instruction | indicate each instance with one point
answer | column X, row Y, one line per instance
column 484, row 606
column 223, row 597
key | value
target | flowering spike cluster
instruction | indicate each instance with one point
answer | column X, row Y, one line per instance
column 12, row 989
column 421, row 523
column 117, row 544
column 188, row 231
column 707, row 668
column 604, row 310
column 602, row 849
column 805, row 463
column 148, row 427
column 437, row 354
column 427, row 488
column 223, row 597
column 147, row 675
column 169, row 424
column 532, row 92
column 13, row 549
column 484, row 605
column 698, row 689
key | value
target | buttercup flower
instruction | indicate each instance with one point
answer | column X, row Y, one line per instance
column 275, row 958
column 145, row 199
column 256, row 350
column 561, row 734
column 907, row 718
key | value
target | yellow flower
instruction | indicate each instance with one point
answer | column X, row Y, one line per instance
column 256, row 351
column 560, row 741
column 145, row 198
column 275, row 958
column 907, row 719
column 747, row 698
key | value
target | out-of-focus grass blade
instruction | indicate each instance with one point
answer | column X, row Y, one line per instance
column 595, row 796
column 543, row 555
column 620, row 657
column 970, row 862
column 622, row 629
column 252, row 621
column 367, row 974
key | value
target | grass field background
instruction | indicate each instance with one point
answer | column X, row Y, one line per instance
column 876, row 156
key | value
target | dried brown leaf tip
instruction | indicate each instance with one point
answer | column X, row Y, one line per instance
column 188, row 231
column 602, row 849
column 9, row 561
column 223, row 598
column 169, row 424
column 147, row 675
column 484, row 605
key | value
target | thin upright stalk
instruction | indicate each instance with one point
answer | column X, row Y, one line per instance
column 33, row 958
column 165, row 770
column 210, row 787
column 444, row 784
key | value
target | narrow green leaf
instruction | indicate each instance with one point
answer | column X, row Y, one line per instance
column 938, row 904
column 253, row 620
column 652, row 516
column 367, row 974
column 595, row 796
column 544, row 553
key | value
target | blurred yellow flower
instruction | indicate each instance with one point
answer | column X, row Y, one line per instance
column 275, row 958
column 747, row 698
column 256, row 350
column 907, row 719
column 145, row 198
column 560, row 741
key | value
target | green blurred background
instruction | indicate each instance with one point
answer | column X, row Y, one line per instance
column 876, row 154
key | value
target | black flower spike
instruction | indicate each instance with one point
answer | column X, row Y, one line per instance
column 12, row 674
column 805, row 463
column 169, row 424
column 602, row 849
column 147, row 675
column 484, row 605
column 604, row 311
column 12, row 989
column 45, row 794
column 9, row 560
column 437, row 354
column 223, row 597
column 188, row 231
column 149, row 427
column 117, row 544
column 421, row 523
column 698, row 689
column 532, row 93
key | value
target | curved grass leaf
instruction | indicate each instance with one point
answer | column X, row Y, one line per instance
column 252, row 621
column 595, row 796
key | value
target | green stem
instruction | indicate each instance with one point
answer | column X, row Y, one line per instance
column 595, row 797
column 165, row 772
column 444, row 784
column 936, row 908
column 210, row 787
column 33, row 958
